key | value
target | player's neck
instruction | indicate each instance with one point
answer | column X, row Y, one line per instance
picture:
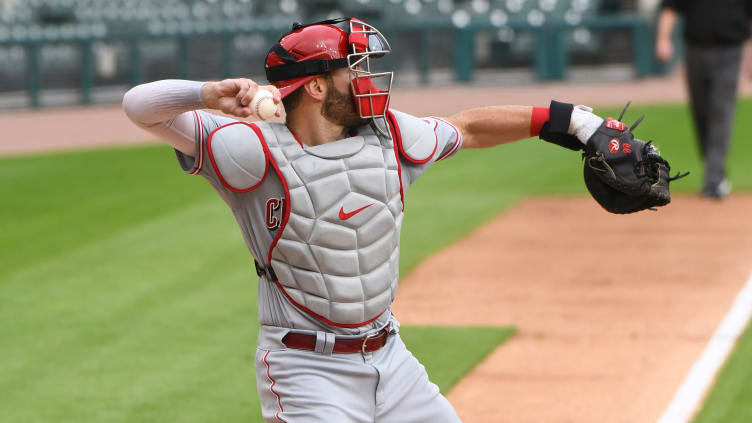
column 311, row 128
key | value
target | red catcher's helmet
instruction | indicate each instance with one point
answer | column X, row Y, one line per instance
column 321, row 47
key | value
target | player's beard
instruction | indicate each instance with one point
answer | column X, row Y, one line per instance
column 339, row 108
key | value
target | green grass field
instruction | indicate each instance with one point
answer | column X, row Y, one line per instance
column 127, row 294
column 731, row 398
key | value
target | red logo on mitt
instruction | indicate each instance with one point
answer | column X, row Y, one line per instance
column 615, row 124
column 613, row 146
column 626, row 148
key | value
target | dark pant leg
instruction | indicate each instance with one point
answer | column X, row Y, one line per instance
column 698, row 84
column 723, row 88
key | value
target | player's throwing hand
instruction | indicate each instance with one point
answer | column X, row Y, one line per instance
column 233, row 96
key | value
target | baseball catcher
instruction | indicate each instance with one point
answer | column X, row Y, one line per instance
column 319, row 200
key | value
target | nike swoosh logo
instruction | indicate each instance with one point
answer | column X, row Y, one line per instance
column 345, row 216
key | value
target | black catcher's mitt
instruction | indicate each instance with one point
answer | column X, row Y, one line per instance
column 625, row 174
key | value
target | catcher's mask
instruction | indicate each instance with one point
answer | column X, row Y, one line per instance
column 320, row 47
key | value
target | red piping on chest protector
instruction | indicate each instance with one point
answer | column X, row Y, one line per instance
column 394, row 130
column 216, row 168
column 297, row 139
column 322, row 318
column 286, row 217
column 285, row 204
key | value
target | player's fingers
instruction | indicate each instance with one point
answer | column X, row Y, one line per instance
column 221, row 88
column 226, row 105
column 243, row 86
column 231, row 87
column 275, row 92
column 241, row 112
column 250, row 91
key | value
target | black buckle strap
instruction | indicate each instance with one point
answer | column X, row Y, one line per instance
column 268, row 272
column 336, row 21
column 282, row 53
column 303, row 68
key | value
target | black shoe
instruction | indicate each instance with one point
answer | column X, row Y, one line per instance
column 718, row 192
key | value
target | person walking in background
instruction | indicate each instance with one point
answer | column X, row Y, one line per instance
column 714, row 32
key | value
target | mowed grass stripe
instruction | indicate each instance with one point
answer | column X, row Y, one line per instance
column 55, row 203
column 145, row 323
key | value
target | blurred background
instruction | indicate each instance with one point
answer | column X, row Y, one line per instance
column 66, row 52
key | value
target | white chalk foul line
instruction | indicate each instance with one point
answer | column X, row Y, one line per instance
column 698, row 380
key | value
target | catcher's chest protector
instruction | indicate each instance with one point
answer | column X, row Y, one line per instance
column 336, row 255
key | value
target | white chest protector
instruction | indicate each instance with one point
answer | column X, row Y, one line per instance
column 336, row 254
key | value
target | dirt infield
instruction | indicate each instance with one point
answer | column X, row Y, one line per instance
column 611, row 310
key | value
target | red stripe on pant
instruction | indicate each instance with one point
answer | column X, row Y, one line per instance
column 271, row 388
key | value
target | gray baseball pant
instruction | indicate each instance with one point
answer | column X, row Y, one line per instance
column 388, row 385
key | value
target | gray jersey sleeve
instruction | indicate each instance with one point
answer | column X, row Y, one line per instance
column 163, row 108
column 424, row 141
column 202, row 125
column 225, row 151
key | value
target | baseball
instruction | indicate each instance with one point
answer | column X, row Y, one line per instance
column 263, row 105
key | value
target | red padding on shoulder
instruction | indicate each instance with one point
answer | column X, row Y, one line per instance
column 216, row 168
column 538, row 118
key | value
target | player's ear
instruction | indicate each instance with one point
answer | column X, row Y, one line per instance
column 316, row 88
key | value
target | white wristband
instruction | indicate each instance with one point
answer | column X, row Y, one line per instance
column 584, row 123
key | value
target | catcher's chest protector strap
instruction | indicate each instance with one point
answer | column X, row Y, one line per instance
column 415, row 138
column 238, row 157
column 336, row 254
